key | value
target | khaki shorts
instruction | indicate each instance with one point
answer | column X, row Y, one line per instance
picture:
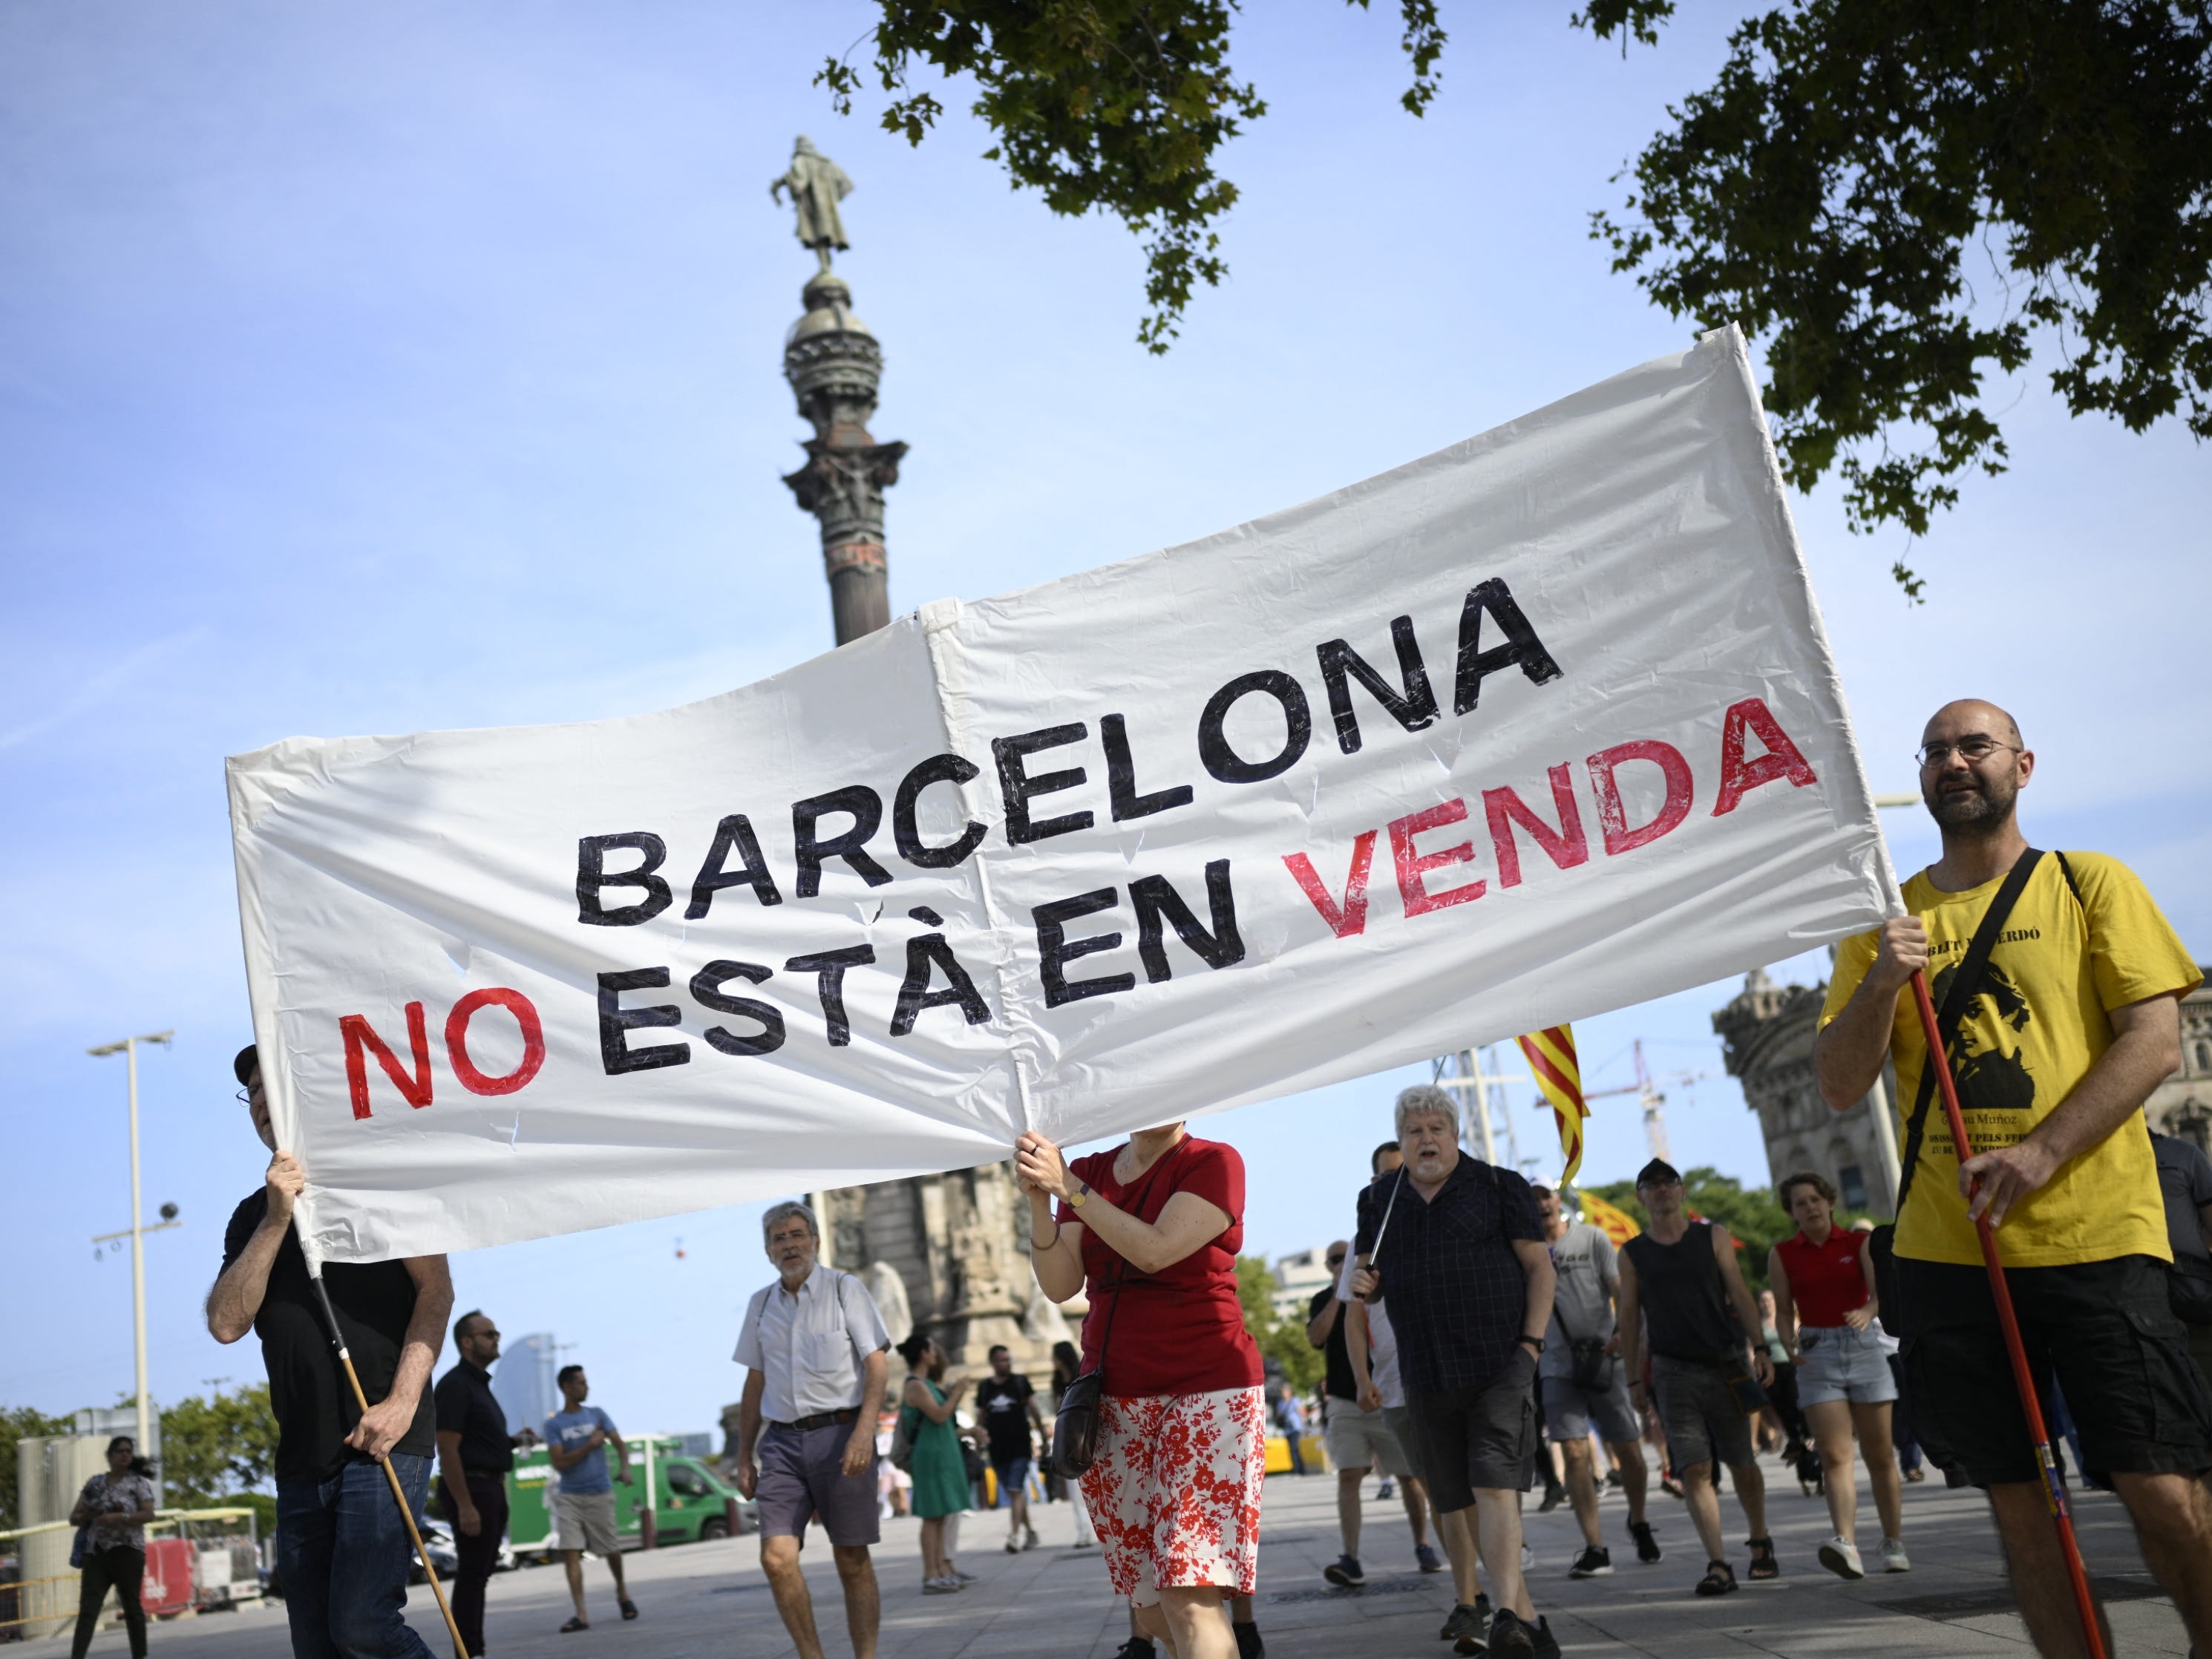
column 584, row 1521
column 1359, row 1439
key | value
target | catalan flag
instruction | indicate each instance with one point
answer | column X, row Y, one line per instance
column 1551, row 1057
column 1615, row 1223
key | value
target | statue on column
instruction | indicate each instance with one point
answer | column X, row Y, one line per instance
column 817, row 184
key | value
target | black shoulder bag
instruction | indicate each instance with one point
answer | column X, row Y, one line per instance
column 1881, row 1243
column 1075, row 1426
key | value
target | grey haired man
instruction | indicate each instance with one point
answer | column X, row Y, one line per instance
column 815, row 1351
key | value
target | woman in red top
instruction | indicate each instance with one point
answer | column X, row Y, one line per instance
column 1151, row 1231
column 1824, row 1307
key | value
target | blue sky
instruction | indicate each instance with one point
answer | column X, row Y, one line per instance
column 375, row 371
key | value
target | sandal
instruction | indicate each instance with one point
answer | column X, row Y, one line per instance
column 1719, row 1579
column 628, row 1607
column 572, row 1625
column 1763, row 1564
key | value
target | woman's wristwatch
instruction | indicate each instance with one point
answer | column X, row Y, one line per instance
column 1077, row 1194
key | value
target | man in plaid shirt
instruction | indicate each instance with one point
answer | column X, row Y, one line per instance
column 1457, row 1247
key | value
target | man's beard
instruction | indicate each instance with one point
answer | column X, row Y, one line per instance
column 1980, row 812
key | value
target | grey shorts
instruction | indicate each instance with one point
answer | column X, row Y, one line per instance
column 1399, row 1421
column 584, row 1521
column 1569, row 1408
column 802, row 1477
column 1360, row 1439
column 1700, row 1413
column 1479, row 1438
column 1837, row 1363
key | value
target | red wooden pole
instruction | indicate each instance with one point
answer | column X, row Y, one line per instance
column 2054, row 1491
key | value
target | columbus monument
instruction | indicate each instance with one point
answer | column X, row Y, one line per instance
column 942, row 1254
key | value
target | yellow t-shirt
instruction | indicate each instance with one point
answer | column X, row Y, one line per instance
column 2033, row 1032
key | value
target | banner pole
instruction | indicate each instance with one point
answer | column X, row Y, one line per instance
column 2054, row 1491
column 399, row 1496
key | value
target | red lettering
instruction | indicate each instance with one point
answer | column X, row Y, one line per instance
column 1415, row 867
column 416, row 1089
column 1566, row 847
column 1781, row 759
column 1614, row 817
column 1351, row 919
column 457, row 1042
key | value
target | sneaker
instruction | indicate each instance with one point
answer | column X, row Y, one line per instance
column 1013, row 1546
column 940, row 1586
column 1249, row 1644
column 1547, row 1645
column 1916, row 1474
column 1387, row 1491
column 1344, row 1572
column 1137, row 1647
column 1427, row 1558
column 1469, row 1621
column 1841, row 1557
column 962, row 1579
column 1554, row 1495
column 1592, row 1562
column 1029, row 1540
column 1647, row 1547
column 1528, row 1559
column 1512, row 1637
column 1893, row 1558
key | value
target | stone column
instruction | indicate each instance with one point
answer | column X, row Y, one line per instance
column 835, row 365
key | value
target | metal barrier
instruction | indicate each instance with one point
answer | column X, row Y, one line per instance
column 224, row 1569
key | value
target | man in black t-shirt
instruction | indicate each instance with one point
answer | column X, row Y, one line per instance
column 342, row 1549
column 475, row 1452
column 1008, row 1407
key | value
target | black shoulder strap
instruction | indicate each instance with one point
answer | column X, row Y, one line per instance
column 1965, row 984
column 2067, row 870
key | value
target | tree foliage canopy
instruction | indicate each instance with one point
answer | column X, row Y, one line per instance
column 1283, row 1341
column 1749, row 1213
column 219, row 1446
column 1828, row 191
column 20, row 1423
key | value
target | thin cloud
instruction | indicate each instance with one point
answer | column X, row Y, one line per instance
column 102, row 686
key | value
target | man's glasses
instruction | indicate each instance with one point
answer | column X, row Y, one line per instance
column 1973, row 751
column 1336, row 1261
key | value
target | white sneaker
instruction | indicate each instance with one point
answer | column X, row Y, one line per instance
column 1892, row 1556
column 939, row 1586
column 1528, row 1560
column 1841, row 1557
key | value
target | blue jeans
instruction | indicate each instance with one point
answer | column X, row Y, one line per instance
column 343, row 1553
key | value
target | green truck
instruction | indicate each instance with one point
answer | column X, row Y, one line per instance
column 672, row 1498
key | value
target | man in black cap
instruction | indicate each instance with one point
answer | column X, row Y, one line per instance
column 342, row 1548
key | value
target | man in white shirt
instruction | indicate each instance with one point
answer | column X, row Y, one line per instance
column 814, row 1348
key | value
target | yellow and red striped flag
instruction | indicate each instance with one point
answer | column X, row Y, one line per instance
column 1550, row 1056
column 1615, row 1223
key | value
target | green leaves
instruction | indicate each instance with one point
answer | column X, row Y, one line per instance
column 1855, row 160
column 1117, row 106
column 215, row 1447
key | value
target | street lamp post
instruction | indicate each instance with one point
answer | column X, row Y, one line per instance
column 129, row 1048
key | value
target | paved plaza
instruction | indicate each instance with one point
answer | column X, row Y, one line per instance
column 710, row 1599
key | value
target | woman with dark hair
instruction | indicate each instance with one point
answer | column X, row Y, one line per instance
column 1149, row 1231
column 1824, row 1310
column 1066, row 1366
column 113, row 1511
column 939, row 1470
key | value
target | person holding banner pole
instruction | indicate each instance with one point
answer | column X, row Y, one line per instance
column 342, row 1539
column 1151, row 1228
column 2044, row 1256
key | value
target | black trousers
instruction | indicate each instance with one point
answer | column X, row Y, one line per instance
column 124, row 1569
column 477, row 1556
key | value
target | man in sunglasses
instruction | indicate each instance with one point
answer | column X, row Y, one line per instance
column 2076, row 1022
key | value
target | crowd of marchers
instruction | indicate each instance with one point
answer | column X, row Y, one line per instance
column 1476, row 1337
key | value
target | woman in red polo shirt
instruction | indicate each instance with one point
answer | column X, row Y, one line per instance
column 1824, row 1310
column 1149, row 1231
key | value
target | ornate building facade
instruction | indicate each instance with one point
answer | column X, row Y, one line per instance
column 1767, row 1031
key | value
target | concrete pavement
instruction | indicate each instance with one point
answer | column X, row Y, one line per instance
column 705, row 1599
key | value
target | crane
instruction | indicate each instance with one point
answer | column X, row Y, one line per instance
column 1647, row 1090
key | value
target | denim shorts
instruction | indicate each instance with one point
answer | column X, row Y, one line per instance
column 1835, row 1362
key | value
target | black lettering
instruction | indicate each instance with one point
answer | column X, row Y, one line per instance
column 1413, row 709
column 592, row 876
column 938, row 768
column 831, row 966
column 616, row 1022
column 1156, row 900
column 926, row 955
column 1122, row 776
column 1223, row 762
column 1521, row 646
column 1018, row 789
column 733, row 832
column 707, row 991
column 807, row 850
column 1056, row 951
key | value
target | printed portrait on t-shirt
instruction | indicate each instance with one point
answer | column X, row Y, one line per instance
column 1991, row 1078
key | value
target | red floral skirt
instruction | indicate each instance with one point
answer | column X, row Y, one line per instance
column 1175, row 1492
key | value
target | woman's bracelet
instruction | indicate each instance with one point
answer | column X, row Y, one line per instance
column 1034, row 1245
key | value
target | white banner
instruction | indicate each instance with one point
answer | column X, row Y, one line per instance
column 1540, row 726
